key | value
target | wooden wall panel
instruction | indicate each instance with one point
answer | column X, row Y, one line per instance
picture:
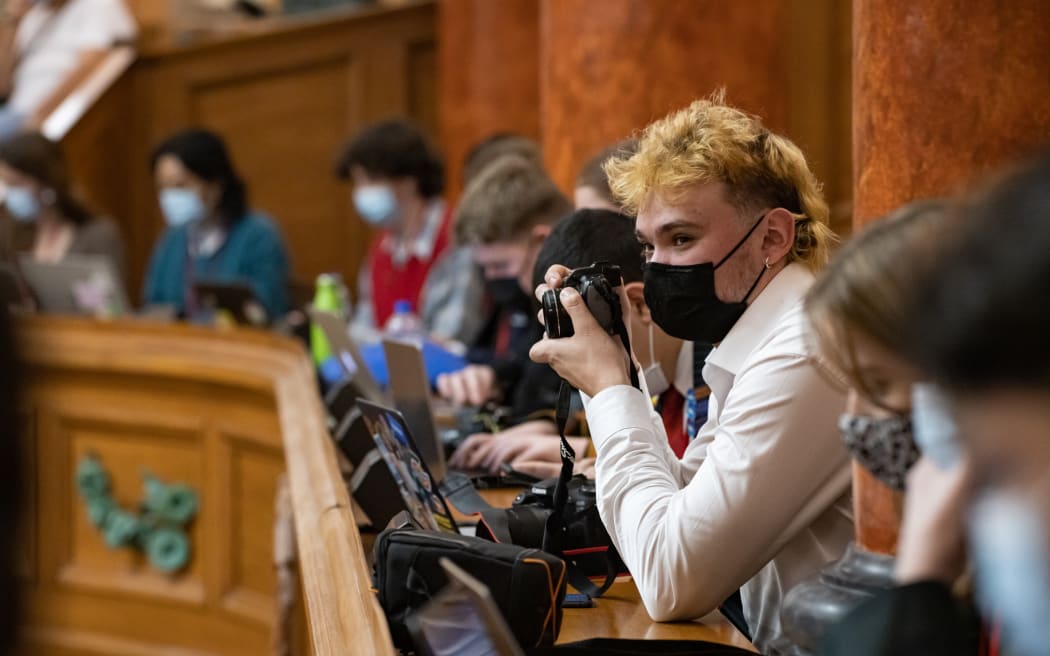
column 291, row 169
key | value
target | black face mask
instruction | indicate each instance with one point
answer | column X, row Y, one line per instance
column 683, row 302
column 506, row 293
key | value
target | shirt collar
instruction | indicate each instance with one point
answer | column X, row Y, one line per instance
column 422, row 247
column 683, row 369
column 782, row 293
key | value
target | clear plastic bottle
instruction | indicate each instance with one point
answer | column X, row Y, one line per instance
column 404, row 325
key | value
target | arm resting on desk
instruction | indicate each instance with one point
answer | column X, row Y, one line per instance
column 761, row 476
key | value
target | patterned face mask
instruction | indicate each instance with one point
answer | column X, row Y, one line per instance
column 884, row 446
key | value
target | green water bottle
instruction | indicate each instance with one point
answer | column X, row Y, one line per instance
column 326, row 298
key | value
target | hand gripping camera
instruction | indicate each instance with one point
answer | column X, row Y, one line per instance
column 597, row 285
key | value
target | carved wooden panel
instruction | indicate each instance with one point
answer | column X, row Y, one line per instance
column 190, row 406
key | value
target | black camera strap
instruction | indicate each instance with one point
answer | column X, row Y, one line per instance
column 556, row 522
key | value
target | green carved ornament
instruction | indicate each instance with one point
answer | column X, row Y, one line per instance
column 156, row 528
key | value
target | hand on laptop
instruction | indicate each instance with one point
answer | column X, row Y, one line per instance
column 533, row 441
column 542, row 470
column 472, row 385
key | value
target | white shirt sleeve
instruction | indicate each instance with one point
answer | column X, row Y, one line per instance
column 102, row 23
column 689, row 545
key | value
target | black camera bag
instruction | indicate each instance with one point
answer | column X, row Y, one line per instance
column 528, row 585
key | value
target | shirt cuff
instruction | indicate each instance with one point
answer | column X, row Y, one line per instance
column 615, row 409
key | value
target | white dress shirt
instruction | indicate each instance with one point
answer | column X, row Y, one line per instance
column 760, row 499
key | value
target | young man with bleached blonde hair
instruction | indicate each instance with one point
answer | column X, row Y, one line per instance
column 734, row 227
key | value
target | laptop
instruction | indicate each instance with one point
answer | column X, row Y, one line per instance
column 79, row 284
column 395, row 445
column 462, row 619
column 348, row 355
column 237, row 299
column 410, row 389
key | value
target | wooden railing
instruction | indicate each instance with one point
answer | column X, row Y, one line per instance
column 225, row 412
column 344, row 616
column 96, row 73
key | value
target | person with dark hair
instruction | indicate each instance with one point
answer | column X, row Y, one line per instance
column 503, row 218
column 497, row 146
column 398, row 180
column 582, row 238
column 38, row 193
column 978, row 322
column 212, row 235
column 592, row 185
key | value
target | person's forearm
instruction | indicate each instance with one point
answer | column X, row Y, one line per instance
column 639, row 498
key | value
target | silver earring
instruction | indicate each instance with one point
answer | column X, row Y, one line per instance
column 767, row 263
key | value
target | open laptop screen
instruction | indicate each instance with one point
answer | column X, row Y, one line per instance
column 462, row 619
column 419, row 490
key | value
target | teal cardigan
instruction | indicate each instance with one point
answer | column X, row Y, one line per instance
column 253, row 253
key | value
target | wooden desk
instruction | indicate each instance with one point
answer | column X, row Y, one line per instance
column 619, row 613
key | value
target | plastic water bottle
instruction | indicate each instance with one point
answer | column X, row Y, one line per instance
column 404, row 325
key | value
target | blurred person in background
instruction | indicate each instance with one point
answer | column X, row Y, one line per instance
column 397, row 180
column 43, row 41
column 497, row 146
column 504, row 217
column 38, row 196
column 212, row 233
column 592, row 184
column 578, row 240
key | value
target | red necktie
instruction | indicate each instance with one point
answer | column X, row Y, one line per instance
column 671, row 405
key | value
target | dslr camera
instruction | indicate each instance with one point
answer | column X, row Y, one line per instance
column 597, row 285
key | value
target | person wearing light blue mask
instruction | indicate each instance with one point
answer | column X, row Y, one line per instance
column 980, row 330
column 38, row 196
column 376, row 203
column 977, row 325
column 212, row 235
column 397, row 180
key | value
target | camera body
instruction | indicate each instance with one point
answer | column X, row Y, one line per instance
column 597, row 285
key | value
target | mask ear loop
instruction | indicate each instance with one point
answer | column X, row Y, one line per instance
column 652, row 350
column 741, row 242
